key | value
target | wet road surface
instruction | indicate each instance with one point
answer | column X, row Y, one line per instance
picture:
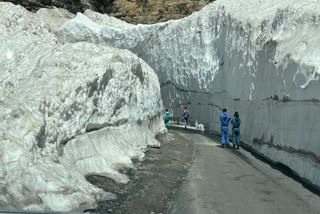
column 192, row 174
column 224, row 180
column 153, row 182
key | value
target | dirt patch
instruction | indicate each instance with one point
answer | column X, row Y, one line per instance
column 153, row 182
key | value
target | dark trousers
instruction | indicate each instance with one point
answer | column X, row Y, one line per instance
column 185, row 121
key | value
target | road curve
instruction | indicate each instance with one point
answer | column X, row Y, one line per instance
column 228, row 181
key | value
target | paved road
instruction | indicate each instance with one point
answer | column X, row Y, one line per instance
column 228, row 181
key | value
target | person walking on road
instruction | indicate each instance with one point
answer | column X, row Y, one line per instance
column 167, row 118
column 185, row 115
column 225, row 119
column 236, row 130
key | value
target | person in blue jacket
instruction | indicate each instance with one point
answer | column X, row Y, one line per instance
column 236, row 130
column 225, row 119
column 185, row 115
column 167, row 118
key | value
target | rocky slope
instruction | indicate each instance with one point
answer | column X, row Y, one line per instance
column 260, row 58
column 68, row 111
column 132, row 11
column 152, row 11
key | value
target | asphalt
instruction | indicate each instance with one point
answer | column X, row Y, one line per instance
column 228, row 181
column 191, row 174
column 153, row 182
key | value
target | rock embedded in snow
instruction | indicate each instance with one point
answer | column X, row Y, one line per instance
column 260, row 58
column 68, row 111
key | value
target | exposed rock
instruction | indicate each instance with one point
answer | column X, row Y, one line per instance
column 260, row 58
column 73, row 6
column 153, row 11
column 132, row 11
column 67, row 111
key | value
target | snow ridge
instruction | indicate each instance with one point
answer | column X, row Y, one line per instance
column 260, row 58
column 68, row 111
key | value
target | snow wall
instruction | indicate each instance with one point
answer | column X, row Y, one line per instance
column 260, row 58
column 68, row 111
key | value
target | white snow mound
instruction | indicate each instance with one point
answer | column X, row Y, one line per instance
column 67, row 111
column 260, row 58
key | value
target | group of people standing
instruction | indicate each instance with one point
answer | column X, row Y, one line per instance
column 185, row 115
column 224, row 119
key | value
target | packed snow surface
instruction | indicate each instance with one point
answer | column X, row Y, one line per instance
column 68, row 111
column 72, row 106
column 260, row 58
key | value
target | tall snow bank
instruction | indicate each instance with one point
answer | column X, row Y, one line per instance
column 67, row 111
column 260, row 58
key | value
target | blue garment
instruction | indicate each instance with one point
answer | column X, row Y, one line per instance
column 185, row 113
column 186, row 116
column 236, row 122
column 235, row 138
column 236, row 130
column 167, row 123
column 167, row 116
column 224, row 135
column 225, row 119
column 167, row 119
